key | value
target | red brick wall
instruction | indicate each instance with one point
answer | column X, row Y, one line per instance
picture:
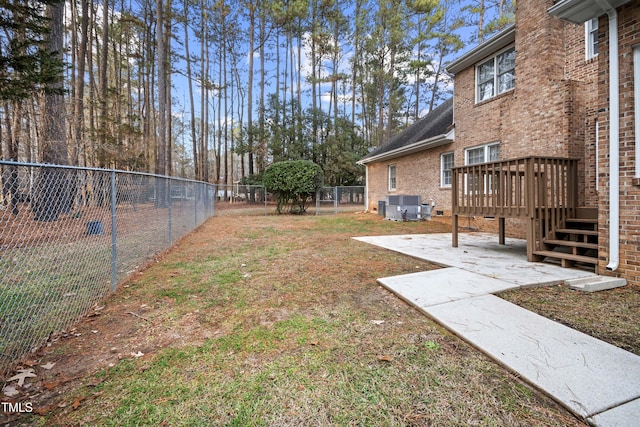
column 553, row 108
column 584, row 74
column 415, row 174
column 551, row 112
column 629, row 35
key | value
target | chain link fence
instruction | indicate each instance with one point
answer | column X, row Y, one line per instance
column 334, row 200
column 68, row 235
column 239, row 199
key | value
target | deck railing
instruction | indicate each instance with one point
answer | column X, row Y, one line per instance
column 542, row 190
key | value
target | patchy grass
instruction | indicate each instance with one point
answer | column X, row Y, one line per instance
column 612, row 316
column 276, row 321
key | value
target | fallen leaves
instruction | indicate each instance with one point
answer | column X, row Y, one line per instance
column 48, row 366
column 22, row 375
column 50, row 385
column 96, row 310
column 10, row 391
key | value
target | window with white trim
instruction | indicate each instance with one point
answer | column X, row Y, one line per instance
column 591, row 38
column 482, row 154
column 496, row 75
column 392, row 177
column 446, row 164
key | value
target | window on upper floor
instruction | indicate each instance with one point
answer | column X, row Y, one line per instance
column 446, row 164
column 496, row 75
column 392, row 177
column 591, row 38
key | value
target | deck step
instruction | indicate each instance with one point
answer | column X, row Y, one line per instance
column 571, row 243
column 577, row 231
column 566, row 256
column 582, row 220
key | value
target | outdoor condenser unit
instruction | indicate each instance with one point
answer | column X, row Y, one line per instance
column 403, row 208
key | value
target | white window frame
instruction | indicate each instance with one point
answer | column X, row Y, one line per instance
column 469, row 186
column 392, row 174
column 496, row 75
column 487, row 153
column 443, row 182
column 591, row 39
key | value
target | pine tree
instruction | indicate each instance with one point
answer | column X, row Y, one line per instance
column 27, row 65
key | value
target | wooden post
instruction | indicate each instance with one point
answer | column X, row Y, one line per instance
column 501, row 222
column 454, row 231
column 454, row 208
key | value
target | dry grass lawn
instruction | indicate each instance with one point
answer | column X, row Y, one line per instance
column 274, row 321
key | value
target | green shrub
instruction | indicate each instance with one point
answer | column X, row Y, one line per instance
column 294, row 183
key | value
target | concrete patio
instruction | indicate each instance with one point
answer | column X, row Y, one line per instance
column 598, row 382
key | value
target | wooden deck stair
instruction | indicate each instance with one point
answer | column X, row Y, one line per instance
column 542, row 192
column 574, row 242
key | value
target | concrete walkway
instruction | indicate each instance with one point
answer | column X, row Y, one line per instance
column 595, row 380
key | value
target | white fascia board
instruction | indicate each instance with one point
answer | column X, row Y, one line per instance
column 503, row 39
column 416, row 147
column 580, row 11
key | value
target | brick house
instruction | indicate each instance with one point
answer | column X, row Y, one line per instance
column 618, row 120
column 410, row 162
column 532, row 137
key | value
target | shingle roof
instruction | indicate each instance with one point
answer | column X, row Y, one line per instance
column 437, row 122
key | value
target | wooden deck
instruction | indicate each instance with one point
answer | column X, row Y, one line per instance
column 541, row 190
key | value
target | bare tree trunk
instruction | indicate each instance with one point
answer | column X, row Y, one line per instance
column 54, row 149
column 261, row 163
column 194, row 143
column 162, row 99
column 204, row 85
column 51, row 193
column 90, row 158
column 223, row 73
column 167, row 76
column 11, row 185
column 252, row 16
column 78, row 105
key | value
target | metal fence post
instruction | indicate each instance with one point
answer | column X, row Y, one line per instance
column 114, row 243
column 335, row 200
column 266, row 197
column 196, row 193
column 169, row 210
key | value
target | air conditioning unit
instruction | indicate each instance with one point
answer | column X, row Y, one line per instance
column 403, row 208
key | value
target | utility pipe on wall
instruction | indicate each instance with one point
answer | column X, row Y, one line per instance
column 614, row 139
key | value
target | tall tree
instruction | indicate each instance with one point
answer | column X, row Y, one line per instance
column 54, row 147
column 51, row 192
column 162, row 90
column 79, row 84
column 250, row 7
column 192, row 108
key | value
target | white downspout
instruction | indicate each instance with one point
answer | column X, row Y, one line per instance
column 366, row 188
column 614, row 142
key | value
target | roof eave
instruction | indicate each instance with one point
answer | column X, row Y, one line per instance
column 416, row 147
column 503, row 39
column 580, row 11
